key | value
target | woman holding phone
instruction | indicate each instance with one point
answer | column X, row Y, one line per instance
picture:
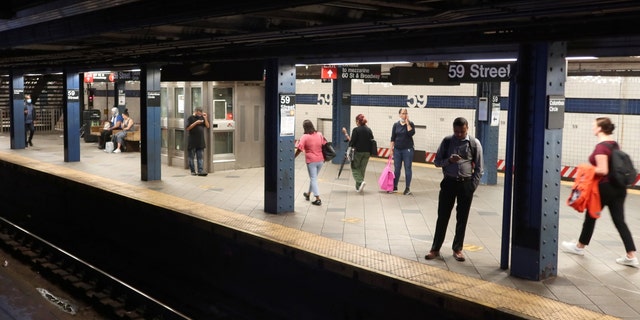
column 402, row 145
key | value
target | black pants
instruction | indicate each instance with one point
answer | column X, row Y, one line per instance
column 29, row 129
column 612, row 197
column 105, row 136
column 450, row 192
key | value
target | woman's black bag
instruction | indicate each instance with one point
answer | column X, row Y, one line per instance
column 374, row 147
column 327, row 151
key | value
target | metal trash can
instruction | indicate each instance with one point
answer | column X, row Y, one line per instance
column 90, row 118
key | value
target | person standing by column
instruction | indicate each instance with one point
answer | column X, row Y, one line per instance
column 460, row 157
column 311, row 143
column 360, row 141
column 196, row 124
column 610, row 196
column 29, row 120
column 402, row 145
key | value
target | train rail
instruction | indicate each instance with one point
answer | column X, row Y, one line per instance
column 107, row 294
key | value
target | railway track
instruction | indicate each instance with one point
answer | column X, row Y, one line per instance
column 107, row 294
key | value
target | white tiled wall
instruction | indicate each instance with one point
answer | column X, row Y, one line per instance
column 432, row 124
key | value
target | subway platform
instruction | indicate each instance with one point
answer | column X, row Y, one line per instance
column 400, row 229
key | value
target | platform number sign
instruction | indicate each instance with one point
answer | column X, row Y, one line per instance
column 287, row 114
column 73, row 95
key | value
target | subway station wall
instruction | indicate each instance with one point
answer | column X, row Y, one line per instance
column 433, row 108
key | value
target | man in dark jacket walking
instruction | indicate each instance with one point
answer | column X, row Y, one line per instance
column 29, row 120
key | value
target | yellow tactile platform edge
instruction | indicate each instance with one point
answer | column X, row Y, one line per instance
column 446, row 289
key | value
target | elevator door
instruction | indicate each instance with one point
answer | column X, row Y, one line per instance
column 250, row 125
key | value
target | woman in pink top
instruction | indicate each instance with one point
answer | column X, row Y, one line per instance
column 311, row 143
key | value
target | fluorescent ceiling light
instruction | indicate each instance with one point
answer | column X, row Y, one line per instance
column 351, row 63
column 489, row 60
column 582, row 58
column 363, row 63
column 514, row 59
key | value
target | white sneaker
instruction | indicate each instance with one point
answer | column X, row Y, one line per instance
column 628, row 262
column 571, row 247
column 361, row 186
column 117, row 151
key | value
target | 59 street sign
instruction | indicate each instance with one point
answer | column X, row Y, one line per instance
column 479, row 72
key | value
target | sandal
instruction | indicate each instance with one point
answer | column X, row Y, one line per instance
column 317, row 202
column 306, row 196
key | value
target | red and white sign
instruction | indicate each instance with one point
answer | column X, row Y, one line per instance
column 88, row 77
column 329, row 73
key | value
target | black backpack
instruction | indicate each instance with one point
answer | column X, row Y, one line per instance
column 621, row 171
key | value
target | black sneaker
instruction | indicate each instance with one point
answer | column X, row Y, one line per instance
column 203, row 174
column 407, row 192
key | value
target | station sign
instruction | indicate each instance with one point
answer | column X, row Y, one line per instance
column 479, row 72
column 287, row 114
column 128, row 75
column 73, row 95
column 366, row 72
column 90, row 77
column 555, row 112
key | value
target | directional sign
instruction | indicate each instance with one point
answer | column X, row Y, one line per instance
column 329, row 73
column 370, row 72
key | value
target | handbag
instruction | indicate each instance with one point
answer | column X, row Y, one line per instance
column 374, row 147
column 386, row 178
column 350, row 153
column 108, row 147
column 327, row 151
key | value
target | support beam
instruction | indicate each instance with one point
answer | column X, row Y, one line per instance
column 16, row 114
column 487, row 130
column 279, row 144
column 541, row 74
column 341, row 114
column 71, row 115
column 150, row 139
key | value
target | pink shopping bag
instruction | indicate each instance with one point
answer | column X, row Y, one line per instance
column 386, row 178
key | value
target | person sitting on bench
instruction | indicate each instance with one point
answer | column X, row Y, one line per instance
column 114, row 123
column 127, row 126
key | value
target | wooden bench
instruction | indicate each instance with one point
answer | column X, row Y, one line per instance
column 95, row 130
column 132, row 139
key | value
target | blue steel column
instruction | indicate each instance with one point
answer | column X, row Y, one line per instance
column 507, row 209
column 488, row 134
column 150, row 139
column 71, row 114
column 16, row 113
column 341, row 114
column 541, row 72
column 279, row 149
